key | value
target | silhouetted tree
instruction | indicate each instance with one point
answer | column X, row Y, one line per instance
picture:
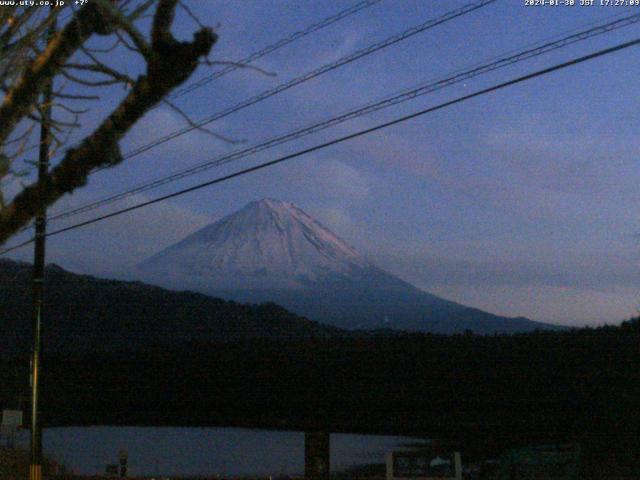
column 31, row 57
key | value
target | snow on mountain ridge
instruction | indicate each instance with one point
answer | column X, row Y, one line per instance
column 267, row 241
column 273, row 251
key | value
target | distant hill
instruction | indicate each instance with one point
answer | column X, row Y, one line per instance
column 273, row 251
column 84, row 313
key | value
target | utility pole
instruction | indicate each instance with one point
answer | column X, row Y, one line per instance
column 35, row 465
column 317, row 455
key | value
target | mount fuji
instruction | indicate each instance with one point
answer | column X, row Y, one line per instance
column 271, row 250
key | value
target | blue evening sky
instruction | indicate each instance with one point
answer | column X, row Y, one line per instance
column 520, row 202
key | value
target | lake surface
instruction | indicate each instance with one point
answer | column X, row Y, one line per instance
column 203, row 451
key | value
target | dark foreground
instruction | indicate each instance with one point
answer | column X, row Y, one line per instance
column 483, row 394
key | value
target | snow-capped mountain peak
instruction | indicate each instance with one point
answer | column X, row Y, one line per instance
column 268, row 243
column 271, row 250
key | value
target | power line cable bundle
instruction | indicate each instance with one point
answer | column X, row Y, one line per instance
column 271, row 48
column 536, row 74
column 275, row 46
column 386, row 102
column 314, row 73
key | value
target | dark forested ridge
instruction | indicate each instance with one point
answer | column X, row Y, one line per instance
column 84, row 313
column 486, row 392
column 88, row 314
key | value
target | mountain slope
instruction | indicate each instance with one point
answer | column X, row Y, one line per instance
column 273, row 251
column 83, row 313
column 267, row 240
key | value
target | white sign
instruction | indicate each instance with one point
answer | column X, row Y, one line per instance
column 410, row 465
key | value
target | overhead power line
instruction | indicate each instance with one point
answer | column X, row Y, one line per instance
column 325, row 22
column 275, row 46
column 313, row 74
column 388, row 101
column 16, row 247
column 309, row 76
column 530, row 76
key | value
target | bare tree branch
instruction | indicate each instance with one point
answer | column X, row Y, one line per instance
column 123, row 22
column 169, row 63
column 200, row 128
column 23, row 95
